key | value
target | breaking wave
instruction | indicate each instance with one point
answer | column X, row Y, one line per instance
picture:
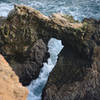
column 36, row 86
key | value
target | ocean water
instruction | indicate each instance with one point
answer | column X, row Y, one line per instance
column 36, row 86
column 79, row 9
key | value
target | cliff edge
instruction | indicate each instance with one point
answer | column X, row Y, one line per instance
column 10, row 88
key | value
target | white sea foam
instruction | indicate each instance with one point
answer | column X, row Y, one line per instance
column 36, row 86
column 5, row 8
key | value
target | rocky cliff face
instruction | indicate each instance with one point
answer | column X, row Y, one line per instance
column 77, row 75
column 10, row 88
column 23, row 38
column 24, row 35
column 20, row 44
column 74, row 79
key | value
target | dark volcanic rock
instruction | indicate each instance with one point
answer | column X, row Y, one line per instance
column 28, row 67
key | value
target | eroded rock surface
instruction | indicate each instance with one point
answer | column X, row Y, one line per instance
column 28, row 67
column 20, row 45
column 76, row 75
column 10, row 88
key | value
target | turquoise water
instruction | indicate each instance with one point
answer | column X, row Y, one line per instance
column 78, row 8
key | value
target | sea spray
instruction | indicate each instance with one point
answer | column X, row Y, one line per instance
column 36, row 86
column 5, row 8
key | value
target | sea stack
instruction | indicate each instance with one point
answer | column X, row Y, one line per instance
column 24, row 35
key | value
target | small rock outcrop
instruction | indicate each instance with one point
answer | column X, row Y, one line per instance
column 10, row 88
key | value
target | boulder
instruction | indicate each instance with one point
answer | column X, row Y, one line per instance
column 10, row 88
column 28, row 67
